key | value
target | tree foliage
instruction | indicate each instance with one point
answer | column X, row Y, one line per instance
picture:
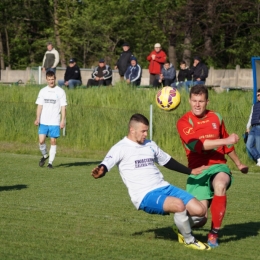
column 224, row 33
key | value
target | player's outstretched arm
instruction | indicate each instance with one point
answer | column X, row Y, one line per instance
column 210, row 144
column 99, row 171
column 241, row 167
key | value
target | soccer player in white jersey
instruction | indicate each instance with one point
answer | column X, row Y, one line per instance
column 50, row 117
column 135, row 157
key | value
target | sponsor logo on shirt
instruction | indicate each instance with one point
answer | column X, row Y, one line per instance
column 144, row 162
column 52, row 101
column 188, row 131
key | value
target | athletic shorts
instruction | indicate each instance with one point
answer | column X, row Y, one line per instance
column 52, row 131
column 200, row 185
column 153, row 201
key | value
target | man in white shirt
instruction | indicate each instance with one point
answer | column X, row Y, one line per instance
column 135, row 157
column 50, row 117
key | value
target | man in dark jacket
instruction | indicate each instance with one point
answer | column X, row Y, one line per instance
column 199, row 71
column 184, row 77
column 101, row 76
column 124, row 60
column 72, row 76
column 133, row 73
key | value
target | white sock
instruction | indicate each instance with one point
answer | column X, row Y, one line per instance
column 182, row 222
column 43, row 150
column 52, row 153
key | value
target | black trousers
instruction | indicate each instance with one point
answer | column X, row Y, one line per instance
column 103, row 82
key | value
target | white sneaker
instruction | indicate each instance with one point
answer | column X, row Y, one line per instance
column 258, row 162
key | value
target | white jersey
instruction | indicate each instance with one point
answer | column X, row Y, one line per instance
column 52, row 99
column 136, row 164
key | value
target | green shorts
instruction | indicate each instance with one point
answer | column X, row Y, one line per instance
column 200, row 185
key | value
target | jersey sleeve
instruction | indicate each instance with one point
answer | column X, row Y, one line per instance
column 224, row 134
column 189, row 137
column 161, row 157
column 40, row 99
column 113, row 157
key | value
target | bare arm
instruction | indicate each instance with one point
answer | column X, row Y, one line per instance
column 38, row 115
column 63, row 116
column 233, row 156
column 212, row 144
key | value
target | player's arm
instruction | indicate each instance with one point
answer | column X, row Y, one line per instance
column 63, row 116
column 178, row 167
column 233, row 156
column 38, row 115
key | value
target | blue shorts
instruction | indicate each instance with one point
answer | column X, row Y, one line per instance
column 153, row 201
column 52, row 131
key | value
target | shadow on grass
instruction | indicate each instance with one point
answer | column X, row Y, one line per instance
column 14, row 187
column 78, row 164
column 228, row 233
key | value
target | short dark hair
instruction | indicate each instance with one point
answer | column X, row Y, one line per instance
column 198, row 90
column 139, row 118
column 50, row 73
column 258, row 90
column 182, row 62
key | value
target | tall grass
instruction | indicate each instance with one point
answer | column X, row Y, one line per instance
column 98, row 117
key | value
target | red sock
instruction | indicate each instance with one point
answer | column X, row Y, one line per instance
column 218, row 209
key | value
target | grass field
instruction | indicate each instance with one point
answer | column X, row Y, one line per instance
column 66, row 214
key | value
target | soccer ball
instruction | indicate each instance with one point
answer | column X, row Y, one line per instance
column 168, row 98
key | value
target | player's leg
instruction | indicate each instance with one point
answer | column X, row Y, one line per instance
column 197, row 221
column 43, row 131
column 159, row 202
column 54, row 134
column 183, row 204
column 220, row 182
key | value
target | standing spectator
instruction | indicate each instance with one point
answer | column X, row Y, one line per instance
column 133, row 73
column 51, row 59
column 135, row 157
column 167, row 76
column 72, row 76
column 51, row 103
column 156, row 58
column 206, row 142
column 124, row 60
column 253, row 140
column 184, row 76
column 101, row 76
column 199, row 71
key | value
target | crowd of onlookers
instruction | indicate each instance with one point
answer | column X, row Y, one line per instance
column 162, row 72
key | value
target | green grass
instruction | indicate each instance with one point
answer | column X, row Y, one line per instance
column 66, row 214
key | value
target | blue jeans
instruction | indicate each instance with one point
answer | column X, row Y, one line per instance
column 71, row 83
column 253, row 142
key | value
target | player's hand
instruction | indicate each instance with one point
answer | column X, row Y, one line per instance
column 243, row 168
column 199, row 170
column 36, row 122
column 62, row 125
column 98, row 172
column 232, row 139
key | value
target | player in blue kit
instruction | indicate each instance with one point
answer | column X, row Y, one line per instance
column 135, row 157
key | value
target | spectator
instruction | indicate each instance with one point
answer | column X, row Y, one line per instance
column 72, row 77
column 253, row 140
column 124, row 60
column 101, row 76
column 184, row 76
column 156, row 58
column 51, row 59
column 199, row 71
column 133, row 73
column 167, row 76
